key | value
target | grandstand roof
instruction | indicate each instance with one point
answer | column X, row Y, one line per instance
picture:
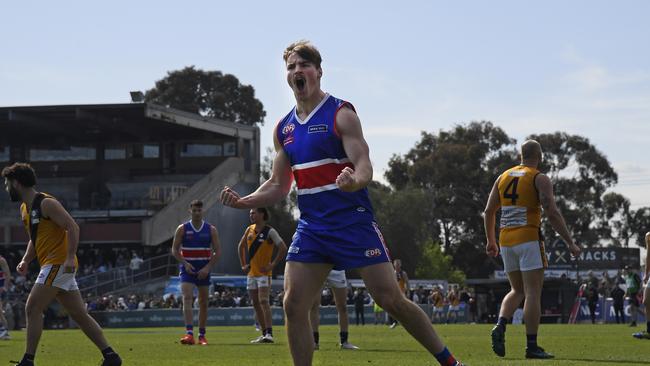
column 110, row 122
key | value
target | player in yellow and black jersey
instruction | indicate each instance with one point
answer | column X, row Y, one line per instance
column 521, row 192
column 256, row 258
column 53, row 239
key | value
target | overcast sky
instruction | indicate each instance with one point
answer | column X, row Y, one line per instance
column 582, row 67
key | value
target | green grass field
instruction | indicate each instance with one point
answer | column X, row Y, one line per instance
column 572, row 345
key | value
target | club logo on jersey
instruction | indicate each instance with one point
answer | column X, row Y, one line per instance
column 317, row 129
column 288, row 128
column 35, row 218
column 372, row 253
column 293, row 249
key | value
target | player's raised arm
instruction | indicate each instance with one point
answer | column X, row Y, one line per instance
column 489, row 220
column 547, row 200
column 349, row 127
column 271, row 191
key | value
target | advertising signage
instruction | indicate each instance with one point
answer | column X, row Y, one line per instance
column 592, row 258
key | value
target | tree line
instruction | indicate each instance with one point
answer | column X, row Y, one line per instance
column 431, row 209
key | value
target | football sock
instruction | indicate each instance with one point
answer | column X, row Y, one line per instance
column 647, row 327
column 531, row 341
column 268, row 331
column 108, row 352
column 344, row 337
column 502, row 323
column 201, row 332
column 189, row 329
column 445, row 358
column 28, row 360
column 316, row 337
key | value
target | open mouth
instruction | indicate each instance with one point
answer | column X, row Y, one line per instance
column 300, row 83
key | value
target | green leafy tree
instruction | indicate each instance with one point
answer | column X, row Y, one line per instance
column 209, row 93
column 435, row 264
column 581, row 174
column 455, row 170
column 615, row 219
column 401, row 216
column 640, row 225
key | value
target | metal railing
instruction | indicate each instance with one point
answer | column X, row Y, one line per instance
column 121, row 277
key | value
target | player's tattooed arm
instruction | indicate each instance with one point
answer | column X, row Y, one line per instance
column 547, row 200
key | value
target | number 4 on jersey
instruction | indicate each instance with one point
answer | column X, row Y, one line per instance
column 511, row 191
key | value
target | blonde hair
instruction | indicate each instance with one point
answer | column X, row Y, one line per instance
column 304, row 49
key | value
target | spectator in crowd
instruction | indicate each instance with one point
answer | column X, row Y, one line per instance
column 380, row 315
column 592, row 299
column 136, row 262
column 464, row 295
column 473, row 308
column 618, row 295
column 359, row 302
column 121, row 263
column 633, row 282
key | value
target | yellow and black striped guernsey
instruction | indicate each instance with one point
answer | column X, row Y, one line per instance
column 49, row 239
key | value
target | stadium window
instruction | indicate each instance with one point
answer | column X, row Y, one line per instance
column 191, row 150
column 230, row 149
column 135, row 151
column 4, row 153
column 151, row 151
column 115, row 153
column 71, row 154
